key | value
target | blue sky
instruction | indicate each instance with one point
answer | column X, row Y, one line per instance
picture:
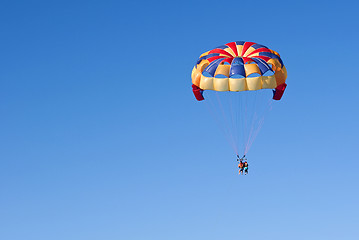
column 101, row 137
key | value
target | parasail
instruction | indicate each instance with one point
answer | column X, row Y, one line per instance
column 241, row 72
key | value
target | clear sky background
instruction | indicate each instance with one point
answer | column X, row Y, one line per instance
column 101, row 137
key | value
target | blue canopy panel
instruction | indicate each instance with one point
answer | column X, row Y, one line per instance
column 271, row 55
column 240, row 42
column 222, row 47
column 256, row 46
column 237, row 67
column 263, row 66
column 212, row 67
column 207, row 56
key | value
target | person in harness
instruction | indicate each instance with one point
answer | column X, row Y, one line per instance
column 245, row 167
column 242, row 165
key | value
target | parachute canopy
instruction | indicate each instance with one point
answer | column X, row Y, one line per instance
column 240, row 74
column 239, row 66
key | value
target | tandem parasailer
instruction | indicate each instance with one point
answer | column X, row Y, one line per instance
column 239, row 75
